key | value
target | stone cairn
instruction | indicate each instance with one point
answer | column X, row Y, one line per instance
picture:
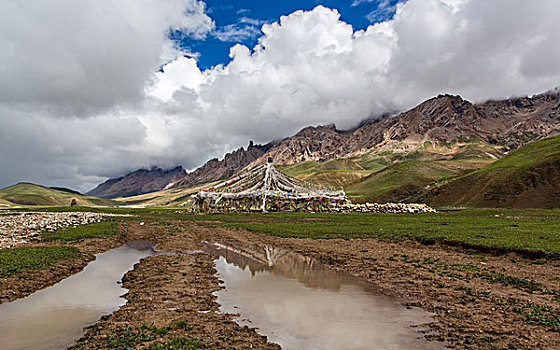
column 267, row 189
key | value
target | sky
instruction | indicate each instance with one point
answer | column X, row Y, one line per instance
column 91, row 89
column 240, row 21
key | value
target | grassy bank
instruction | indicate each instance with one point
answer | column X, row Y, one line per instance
column 16, row 260
column 531, row 230
column 75, row 233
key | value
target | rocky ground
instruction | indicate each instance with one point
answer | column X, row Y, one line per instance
column 481, row 300
column 19, row 228
column 385, row 208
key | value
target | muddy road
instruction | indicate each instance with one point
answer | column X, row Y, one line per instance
column 480, row 300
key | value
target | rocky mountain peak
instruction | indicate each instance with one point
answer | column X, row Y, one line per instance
column 232, row 163
column 138, row 182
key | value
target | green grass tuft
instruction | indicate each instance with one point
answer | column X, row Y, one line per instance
column 16, row 260
column 178, row 343
column 74, row 233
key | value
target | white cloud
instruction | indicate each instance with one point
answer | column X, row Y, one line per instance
column 82, row 56
column 358, row 2
column 236, row 32
column 180, row 73
column 383, row 11
column 308, row 68
column 246, row 28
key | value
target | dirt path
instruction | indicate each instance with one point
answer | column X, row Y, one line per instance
column 481, row 301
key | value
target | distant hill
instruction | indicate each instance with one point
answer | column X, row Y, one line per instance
column 30, row 194
column 528, row 177
column 402, row 181
column 64, row 189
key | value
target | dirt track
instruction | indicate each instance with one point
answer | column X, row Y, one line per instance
column 482, row 301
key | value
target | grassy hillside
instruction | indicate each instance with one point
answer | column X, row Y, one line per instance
column 332, row 173
column 31, row 194
column 525, row 178
column 405, row 180
column 392, row 176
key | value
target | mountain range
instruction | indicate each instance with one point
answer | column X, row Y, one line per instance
column 138, row 182
column 443, row 129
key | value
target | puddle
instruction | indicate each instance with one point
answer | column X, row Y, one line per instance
column 301, row 304
column 54, row 317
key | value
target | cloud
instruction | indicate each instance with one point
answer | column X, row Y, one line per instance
column 308, row 68
column 246, row 28
column 79, row 57
column 358, row 2
column 243, row 11
column 236, row 32
column 383, row 11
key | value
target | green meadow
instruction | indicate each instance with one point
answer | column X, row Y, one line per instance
column 16, row 260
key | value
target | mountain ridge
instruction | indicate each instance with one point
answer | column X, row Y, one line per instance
column 503, row 124
column 138, row 182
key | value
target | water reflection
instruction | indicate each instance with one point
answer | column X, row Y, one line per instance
column 282, row 262
column 53, row 318
column 301, row 304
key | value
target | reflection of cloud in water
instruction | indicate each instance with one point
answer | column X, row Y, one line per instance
column 301, row 304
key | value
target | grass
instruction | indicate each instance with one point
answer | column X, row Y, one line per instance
column 528, row 154
column 525, row 178
column 519, row 283
column 405, row 179
column 540, row 314
column 545, row 315
column 17, row 260
column 534, row 230
column 125, row 338
column 75, row 233
column 33, row 195
column 178, row 343
column 530, row 230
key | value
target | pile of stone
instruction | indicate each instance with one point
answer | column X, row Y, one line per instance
column 17, row 228
column 386, row 208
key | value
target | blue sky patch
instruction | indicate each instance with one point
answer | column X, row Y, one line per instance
column 240, row 21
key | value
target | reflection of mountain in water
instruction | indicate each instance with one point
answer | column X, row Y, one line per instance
column 281, row 262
